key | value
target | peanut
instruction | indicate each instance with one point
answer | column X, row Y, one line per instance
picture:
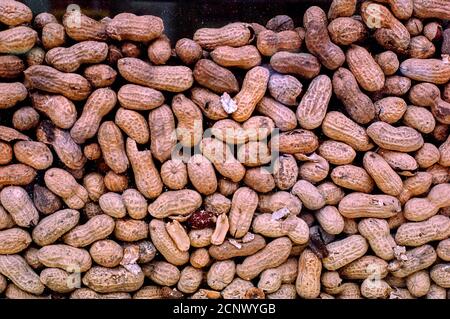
column 402, row 139
column 309, row 271
column 343, row 252
column 358, row 105
column 415, row 260
column 107, row 280
column 17, row 40
column 313, row 107
column 97, row 228
column 234, row 35
column 269, row 42
column 17, row 202
column 357, row 205
column 134, row 28
column 273, row 255
column 318, row 40
column 46, row 78
column 304, row 65
column 60, row 110
column 419, row 233
column 53, row 227
column 98, row 105
column 419, row 209
column 65, row 257
column 164, row 243
column 165, row 78
column 147, row 178
column 16, row 269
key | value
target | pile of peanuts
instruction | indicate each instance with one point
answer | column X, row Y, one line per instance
column 325, row 172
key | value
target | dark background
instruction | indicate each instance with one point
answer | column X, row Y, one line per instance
column 182, row 18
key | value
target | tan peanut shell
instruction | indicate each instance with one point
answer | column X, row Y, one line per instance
column 340, row 128
column 106, row 253
column 162, row 128
column 190, row 119
column 64, row 185
column 308, row 194
column 336, row 153
column 243, row 206
column 352, row 177
column 147, row 178
column 139, row 98
column 377, row 233
column 13, row 240
column 162, row 273
column 309, row 271
column 16, row 174
column 384, row 176
column 34, row 154
column 17, row 40
column 313, row 106
column 330, row 220
column 421, row 208
column 419, row 233
column 304, row 65
column 46, row 78
column 284, row 89
column 227, row 250
column 259, row 179
column 269, row 203
column 402, row 139
column 269, row 42
column 165, row 78
column 357, row 104
column 365, row 267
column 357, row 205
column 14, row 13
column 390, row 32
column 134, row 28
column 201, row 174
column 252, row 91
column 80, row 27
column 65, row 257
column 100, row 75
column 97, row 228
column 233, row 34
column 174, row 174
column 273, row 255
column 16, row 201
column 16, row 269
column 245, row 57
column 270, row 280
column 133, row 124
column 53, row 227
column 209, row 102
column 426, row 70
column 214, row 77
column 130, row 230
column 106, row 280
column 11, row 94
column 390, row 109
column 165, row 245
column 318, row 41
column 341, row 8
column 220, row 274
column 415, row 260
column 59, row 109
column 295, row 228
column 220, row 155
column 346, row 30
column 98, row 105
column 343, row 252
column 70, row 59
column 182, row 202
column 366, row 71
